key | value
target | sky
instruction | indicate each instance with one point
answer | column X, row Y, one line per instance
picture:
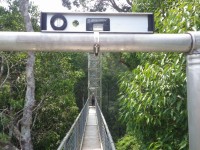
column 54, row 5
column 45, row 5
column 50, row 5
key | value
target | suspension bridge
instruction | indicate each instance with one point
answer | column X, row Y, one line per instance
column 89, row 131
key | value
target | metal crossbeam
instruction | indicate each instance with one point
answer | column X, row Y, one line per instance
column 83, row 42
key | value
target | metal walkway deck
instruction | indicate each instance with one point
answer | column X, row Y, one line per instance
column 91, row 139
column 89, row 131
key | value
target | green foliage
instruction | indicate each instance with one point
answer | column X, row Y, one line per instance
column 153, row 102
column 11, row 19
column 129, row 142
column 3, row 137
column 153, row 95
column 4, row 122
column 55, row 81
column 179, row 18
column 111, row 67
column 56, row 75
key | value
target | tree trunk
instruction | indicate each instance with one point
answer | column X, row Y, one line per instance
column 30, row 91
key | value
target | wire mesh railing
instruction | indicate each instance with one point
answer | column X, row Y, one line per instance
column 74, row 137
column 106, row 138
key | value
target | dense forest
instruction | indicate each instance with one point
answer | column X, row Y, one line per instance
column 144, row 94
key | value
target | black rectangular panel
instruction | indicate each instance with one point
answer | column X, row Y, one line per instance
column 151, row 22
column 91, row 21
column 43, row 21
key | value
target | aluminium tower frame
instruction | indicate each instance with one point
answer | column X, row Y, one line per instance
column 188, row 43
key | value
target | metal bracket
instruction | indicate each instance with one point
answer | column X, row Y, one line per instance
column 195, row 45
column 97, row 28
column 96, row 47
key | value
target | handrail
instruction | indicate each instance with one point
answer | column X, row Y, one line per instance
column 106, row 138
column 73, row 138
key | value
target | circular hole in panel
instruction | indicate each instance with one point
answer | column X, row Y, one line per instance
column 75, row 23
column 58, row 22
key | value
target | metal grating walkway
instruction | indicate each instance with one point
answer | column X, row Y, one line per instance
column 91, row 139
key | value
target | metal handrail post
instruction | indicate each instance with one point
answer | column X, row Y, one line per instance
column 74, row 141
column 80, row 132
column 193, row 92
column 193, row 100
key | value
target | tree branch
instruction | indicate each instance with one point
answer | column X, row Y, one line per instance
column 115, row 6
column 36, row 109
column 8, row 73
column 2, row 68
column 16, row 133
column 129, row 2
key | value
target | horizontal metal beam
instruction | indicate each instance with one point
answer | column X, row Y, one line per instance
column 109, row 42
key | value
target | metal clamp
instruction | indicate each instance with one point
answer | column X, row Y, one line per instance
column 96, row 46
column 195, row 45
column 96, row 49
column 96, row 29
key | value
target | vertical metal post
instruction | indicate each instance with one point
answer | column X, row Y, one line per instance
column 83, row 101
column 193, row 91
column 94, row 76
column 95, row 67
column 193, row 100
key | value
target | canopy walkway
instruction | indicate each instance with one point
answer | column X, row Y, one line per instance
column 101, row 42
column 89, row 131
